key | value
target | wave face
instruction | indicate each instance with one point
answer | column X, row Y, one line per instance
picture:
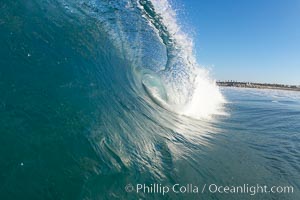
column 95, row 95
column 100, row 92
column 160, row 54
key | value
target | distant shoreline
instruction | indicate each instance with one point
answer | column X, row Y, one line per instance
column 258, row 85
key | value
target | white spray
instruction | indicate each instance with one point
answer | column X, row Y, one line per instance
column 205, row 99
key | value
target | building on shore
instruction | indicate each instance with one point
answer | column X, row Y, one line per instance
column 232, row 83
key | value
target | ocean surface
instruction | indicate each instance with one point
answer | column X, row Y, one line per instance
column 99, row 96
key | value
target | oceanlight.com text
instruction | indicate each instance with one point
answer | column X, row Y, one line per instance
column 247, row 189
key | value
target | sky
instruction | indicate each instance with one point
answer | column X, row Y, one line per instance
column 245, row 40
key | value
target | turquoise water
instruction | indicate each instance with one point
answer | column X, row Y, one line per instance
column 85, row 110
